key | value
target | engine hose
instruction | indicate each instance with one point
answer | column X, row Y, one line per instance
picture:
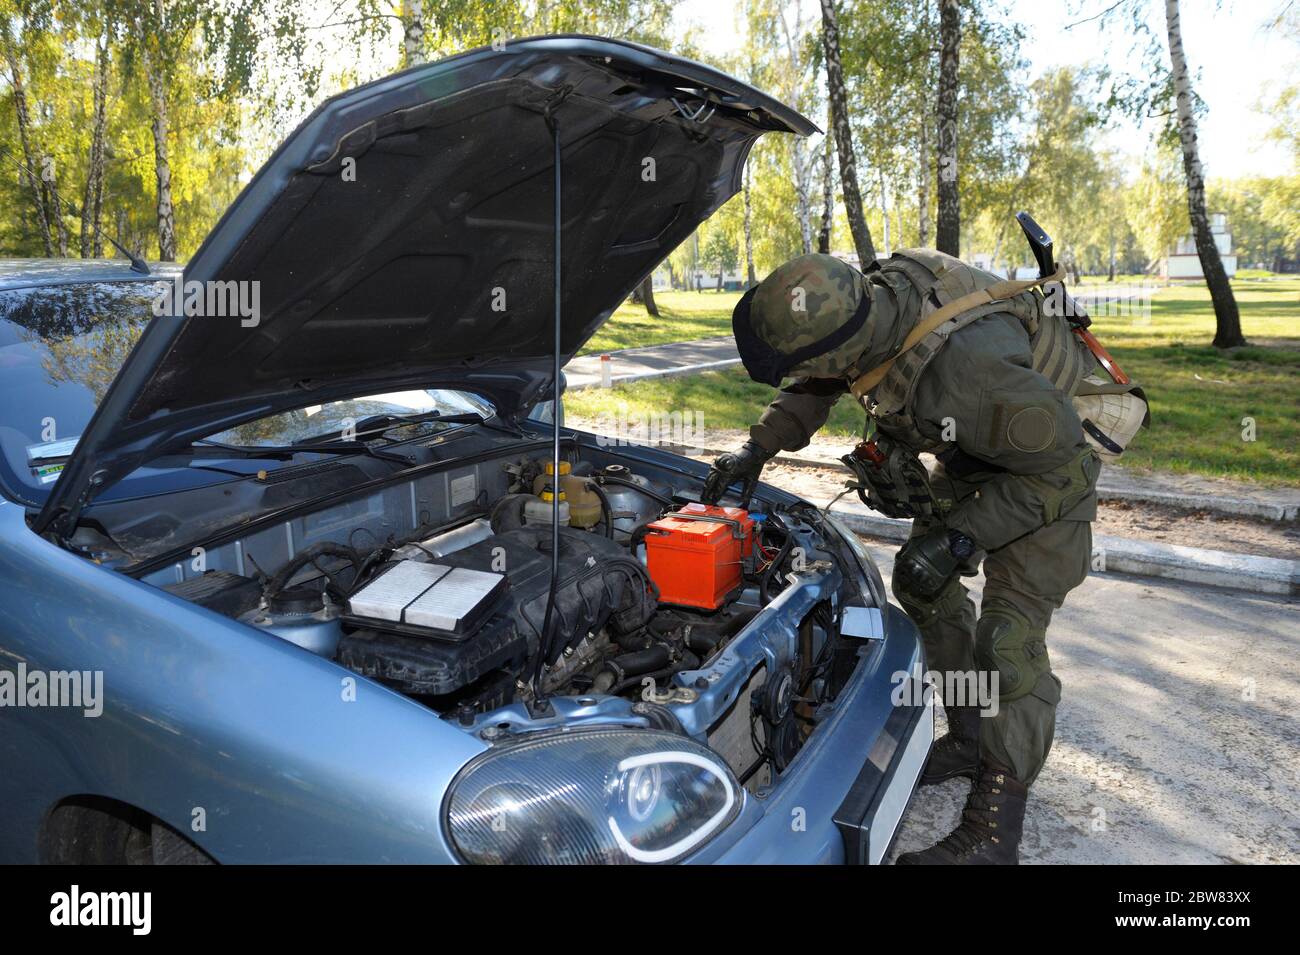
column 281, row 577
column 508, row 513
column 644, row 590
column 688, row 661
column 764, row 582
column 624, row 482
column 633, row 640
column 639, row 534
column 606, row 512
column 700, row 642
column 694, row 636
column 627, row 666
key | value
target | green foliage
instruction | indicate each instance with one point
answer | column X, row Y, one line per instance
column 1264, row 213
column 237, row 76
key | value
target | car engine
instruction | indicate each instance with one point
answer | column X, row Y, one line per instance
column 651, row 585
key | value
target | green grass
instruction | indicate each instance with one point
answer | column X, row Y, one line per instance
column 683, row 317
column 1199, row 395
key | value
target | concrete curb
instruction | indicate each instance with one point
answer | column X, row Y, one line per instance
column 1195, row 565
column 659, row 373
column 1237, row 506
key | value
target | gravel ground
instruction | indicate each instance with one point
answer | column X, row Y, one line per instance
column 1176, row 735
column 1150, row 522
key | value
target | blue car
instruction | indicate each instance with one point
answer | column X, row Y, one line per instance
column 289, row 572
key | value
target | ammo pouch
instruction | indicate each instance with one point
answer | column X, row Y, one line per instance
column 897, row 485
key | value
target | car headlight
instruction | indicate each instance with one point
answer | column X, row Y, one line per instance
column 590, row 796
column 875, row 582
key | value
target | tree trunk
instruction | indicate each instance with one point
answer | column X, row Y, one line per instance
column 749, row 236
column 800, row 159
column 153, row 69
column 412, row 33
column 828, row 195
column 60, row 226
column 30, row 160
column 947, row 237
column 1227, row 320
column 802, row 191
column 884, row 209
column 923, row 184
column 844, row 137
column 92, row 198
column 645, row 295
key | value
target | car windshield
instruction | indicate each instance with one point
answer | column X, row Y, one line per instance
column 342, row 418
column 61, row 347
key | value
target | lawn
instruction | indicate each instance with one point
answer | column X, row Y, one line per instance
column 1199, row 395
column 683, row 317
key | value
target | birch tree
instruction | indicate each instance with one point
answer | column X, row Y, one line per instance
column 750, row 277
column 412, row 15
column 828, row 194
column 948, row 231
column 1227, row 320
column 843, row 133
column 800, row 155
column 12, row 24
column 152, row 27
column 92, row 243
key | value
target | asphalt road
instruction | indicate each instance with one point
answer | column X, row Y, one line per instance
column 1177, row 736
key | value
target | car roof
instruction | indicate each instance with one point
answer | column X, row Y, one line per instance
column 35, row 273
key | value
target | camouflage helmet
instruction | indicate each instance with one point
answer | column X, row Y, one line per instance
column 808, row 317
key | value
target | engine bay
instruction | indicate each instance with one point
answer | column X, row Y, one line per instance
column 718, row 622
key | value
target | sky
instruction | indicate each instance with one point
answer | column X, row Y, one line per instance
column 1242, row 65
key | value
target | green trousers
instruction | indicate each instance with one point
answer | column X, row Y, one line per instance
column 1026, row 581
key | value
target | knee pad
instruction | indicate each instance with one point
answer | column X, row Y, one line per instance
column 1007, row 642
column 949, row 601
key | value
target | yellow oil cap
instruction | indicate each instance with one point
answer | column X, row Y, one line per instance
column 565, row 467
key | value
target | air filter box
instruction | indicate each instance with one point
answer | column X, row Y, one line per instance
column 695, row 554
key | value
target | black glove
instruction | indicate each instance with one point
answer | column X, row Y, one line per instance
column 743, row 465
column 926, row 563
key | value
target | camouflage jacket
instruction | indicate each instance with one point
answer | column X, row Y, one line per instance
column 1012, row 454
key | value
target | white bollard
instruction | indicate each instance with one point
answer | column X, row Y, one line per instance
column 606, row 376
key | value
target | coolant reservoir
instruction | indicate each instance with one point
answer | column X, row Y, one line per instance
column 584, row 505
column 541, row 510
column 695, row 554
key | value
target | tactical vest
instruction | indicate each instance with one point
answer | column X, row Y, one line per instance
column 966, row 294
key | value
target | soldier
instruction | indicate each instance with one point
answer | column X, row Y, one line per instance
column 987, row 387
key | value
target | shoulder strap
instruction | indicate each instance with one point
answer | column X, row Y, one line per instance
column 997, row 292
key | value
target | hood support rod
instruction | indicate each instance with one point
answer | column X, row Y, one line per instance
column 540, row 705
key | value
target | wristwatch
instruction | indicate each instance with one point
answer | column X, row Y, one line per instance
column 959, row 545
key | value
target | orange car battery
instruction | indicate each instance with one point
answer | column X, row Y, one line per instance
column 695, row 554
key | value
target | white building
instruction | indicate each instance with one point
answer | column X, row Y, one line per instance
column 1184, row 263
column 984, row 260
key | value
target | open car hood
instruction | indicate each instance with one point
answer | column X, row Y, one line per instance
column 402, row 237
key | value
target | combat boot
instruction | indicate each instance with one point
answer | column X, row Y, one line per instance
column 991, row 823
column 957, row 752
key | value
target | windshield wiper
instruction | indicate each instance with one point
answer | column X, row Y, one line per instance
column 286, row 452
column 381, row 424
